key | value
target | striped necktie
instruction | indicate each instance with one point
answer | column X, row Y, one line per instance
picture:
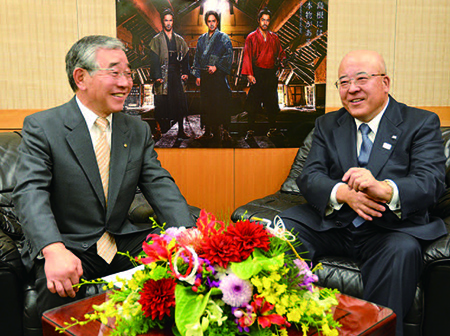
column 363, row 158
column 106, row 245
column 366, row 145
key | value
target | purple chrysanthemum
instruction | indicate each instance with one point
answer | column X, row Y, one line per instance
column 236, row 292
column 305, row 272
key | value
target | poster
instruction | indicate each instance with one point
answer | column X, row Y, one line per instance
column 301, row 27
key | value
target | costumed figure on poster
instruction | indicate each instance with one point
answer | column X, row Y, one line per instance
column 169, row 68
column 262, row 57
column 212, row 64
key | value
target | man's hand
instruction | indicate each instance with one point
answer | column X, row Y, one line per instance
column 211, row 69
column 62, row 269
column 251, row 79
column 184, row 78
column 360, row 202
column 360, row 179
column 160, row 80
column 197, row 82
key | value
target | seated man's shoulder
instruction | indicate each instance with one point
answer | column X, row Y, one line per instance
column 416, row 114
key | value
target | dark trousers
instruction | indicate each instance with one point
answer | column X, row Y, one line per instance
column 215, row 99
column 265, row 92
column 172, row 106
column 390, row 261
column 93, row 267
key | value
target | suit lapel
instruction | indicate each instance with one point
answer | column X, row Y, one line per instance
column 80, row 142
column 387, row 138
column 345, row 140
column 120, row 149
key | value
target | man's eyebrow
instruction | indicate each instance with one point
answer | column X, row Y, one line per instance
column 358, row 73
column 112, row 65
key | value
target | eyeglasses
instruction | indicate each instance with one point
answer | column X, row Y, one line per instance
column 360, row 80
column 114, row 73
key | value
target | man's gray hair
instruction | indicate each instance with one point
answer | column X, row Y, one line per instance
column 83, row 54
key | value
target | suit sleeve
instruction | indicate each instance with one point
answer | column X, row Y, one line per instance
column 425, row 181
column 160, row 190
column 315, row 182
column 32, row 191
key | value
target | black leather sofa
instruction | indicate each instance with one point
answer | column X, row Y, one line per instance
column 430, row 313
column 18, row 315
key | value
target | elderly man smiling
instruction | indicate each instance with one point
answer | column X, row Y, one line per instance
column 375, row 168
column 79, row 168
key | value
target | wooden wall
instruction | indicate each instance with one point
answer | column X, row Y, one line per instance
column 411, row 34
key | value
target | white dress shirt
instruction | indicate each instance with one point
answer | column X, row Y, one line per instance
column 394, row 204
column 90, row 118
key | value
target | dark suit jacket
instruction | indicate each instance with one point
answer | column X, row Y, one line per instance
column 408, row 149
column 59, row 194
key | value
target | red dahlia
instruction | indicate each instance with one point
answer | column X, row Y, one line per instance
column 220, row 249
column 248, row 236
column 157, row 297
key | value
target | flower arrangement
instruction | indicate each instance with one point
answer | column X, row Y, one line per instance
column 217, row 279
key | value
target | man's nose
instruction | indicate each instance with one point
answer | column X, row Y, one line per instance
column 353, row 87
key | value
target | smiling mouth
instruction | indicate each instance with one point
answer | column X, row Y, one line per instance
column 119, row 95
column 356, row 100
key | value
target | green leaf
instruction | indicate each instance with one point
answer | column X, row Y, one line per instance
column 256, row 263
column 189, row 308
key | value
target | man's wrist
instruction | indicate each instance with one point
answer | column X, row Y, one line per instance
column 391, row 190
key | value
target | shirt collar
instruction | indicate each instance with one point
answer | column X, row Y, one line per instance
column 375, row 122
column 89, row 116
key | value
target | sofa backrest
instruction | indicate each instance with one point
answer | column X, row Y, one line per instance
column 290, row 185
column 9, row 156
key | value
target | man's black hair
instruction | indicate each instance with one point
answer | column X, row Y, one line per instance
column 167, row 11
column 212, row 12
column 264, row 11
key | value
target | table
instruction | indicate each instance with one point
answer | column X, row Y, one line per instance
column 358, row 317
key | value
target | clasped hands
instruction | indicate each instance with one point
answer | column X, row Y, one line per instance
column 363, row 193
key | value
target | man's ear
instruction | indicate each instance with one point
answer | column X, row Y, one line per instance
column 80, row 76
column 387, row 83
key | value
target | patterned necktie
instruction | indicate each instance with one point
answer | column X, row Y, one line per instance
column 363, row 159
column 106, row 245
column 366, row 145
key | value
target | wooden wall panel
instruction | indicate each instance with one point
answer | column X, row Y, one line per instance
column 260, row 172
column 204, row 176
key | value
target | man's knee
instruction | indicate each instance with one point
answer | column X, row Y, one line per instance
column 402, row 246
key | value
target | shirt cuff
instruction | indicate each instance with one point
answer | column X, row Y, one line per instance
column 394, row 204
column 333, row 204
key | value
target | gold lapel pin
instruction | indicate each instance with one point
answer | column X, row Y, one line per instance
column 125, row 145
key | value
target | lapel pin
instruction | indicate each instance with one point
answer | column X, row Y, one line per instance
column 125, row 145
column 394, row 137
column 387, row 146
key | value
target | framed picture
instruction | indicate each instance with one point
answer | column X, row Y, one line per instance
column 226, row 73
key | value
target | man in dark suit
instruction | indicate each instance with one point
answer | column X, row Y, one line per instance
column 76, row 178
column 375, row 168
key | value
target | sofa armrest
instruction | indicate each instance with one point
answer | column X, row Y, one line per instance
column 267, row 207
column 10, row 256
column 439, row 250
